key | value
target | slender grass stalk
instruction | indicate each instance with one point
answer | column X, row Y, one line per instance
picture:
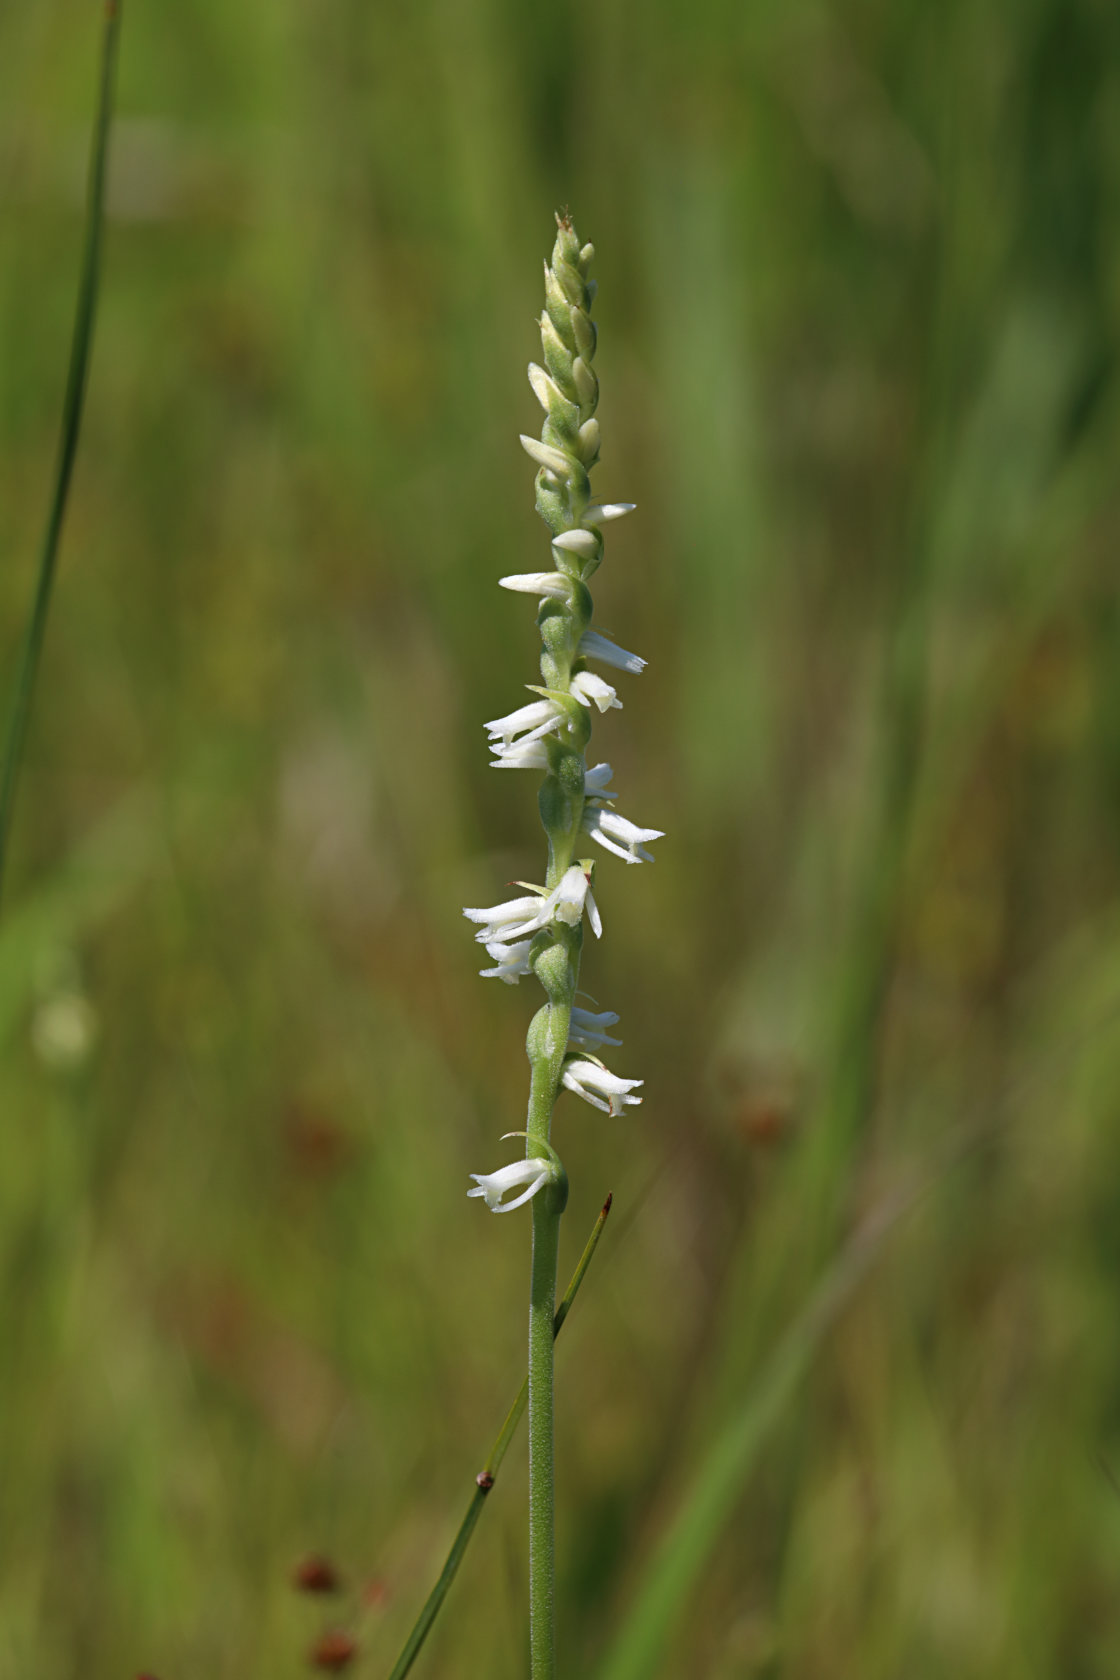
column 487, row 1476
column 641, row 1645
column 73, row 403
column 542, row 933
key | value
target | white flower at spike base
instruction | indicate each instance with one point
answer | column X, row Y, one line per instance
column 513, row 920
column 591, row 690
column 625, row 839
column 536, row 1172
column 599, row 1087
column 531, row 723
column 589, row 1032
column 573, row 893
column 512, row 961
column 594, row 646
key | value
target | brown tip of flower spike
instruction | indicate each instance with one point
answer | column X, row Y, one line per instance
column 607, row 1204
column 316, row 1575
column 334, row 1651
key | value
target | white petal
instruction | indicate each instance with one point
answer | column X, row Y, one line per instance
column 535, row 1171
column 590, row 689
column 553, row 584
column 552, row 460
column 593, row 915
column 583, row 543
column 625, row 839
column 597, row 780
column 594, row 646
column 512, row 910
column 539, row 717
column 521, row 755
column 589, row 1031
column 599, row 513
column 546, row 390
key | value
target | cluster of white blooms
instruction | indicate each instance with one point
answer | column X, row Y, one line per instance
column 550, row 733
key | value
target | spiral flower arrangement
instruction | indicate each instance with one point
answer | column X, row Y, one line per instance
column 540, row 933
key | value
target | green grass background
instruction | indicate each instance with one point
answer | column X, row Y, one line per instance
column 859, row 317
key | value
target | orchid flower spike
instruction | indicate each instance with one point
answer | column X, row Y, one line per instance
column 541, row 933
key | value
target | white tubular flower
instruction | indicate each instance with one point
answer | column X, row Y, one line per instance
column 554, row 584
column 599, row 513
column 585, row 545
column 592, row 690
column 625, row 839
column 589, row 1032
column 552, row 460
column 531, row 722
column 597, row 781
column 536, row 1172
column 573, row 893
column 521, row 755
column 594, row 646
column 513, row 920
column 512, row 962
column 599, row 1087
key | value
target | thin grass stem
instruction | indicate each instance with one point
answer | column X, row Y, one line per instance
column 73, row 404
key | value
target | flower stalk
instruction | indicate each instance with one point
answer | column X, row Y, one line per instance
column 542, row 933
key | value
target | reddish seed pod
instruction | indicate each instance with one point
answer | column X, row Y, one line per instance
column 485, row 1480
column 316, row 1575
column 334, row 1650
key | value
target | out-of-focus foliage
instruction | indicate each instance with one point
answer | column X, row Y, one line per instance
column 860, row 311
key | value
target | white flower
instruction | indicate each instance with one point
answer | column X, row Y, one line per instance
column 590, row 689
column 625, row 839
column 597, row 781
column 599, row 1087
column 512, row 920
column 520, row 755
column 594, row 646
column 531, row 722
column 512, row 962
column 552, row 460
column 584, row 544
column 567, row 900
column 588, row 1031
column 538, row 583
column 536, row 1172
column 598, row 513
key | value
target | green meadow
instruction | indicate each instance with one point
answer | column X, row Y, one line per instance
column 840, row 1397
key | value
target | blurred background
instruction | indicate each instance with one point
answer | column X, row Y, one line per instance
column 859, row 317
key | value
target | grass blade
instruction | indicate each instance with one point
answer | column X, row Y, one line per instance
column 73, row 403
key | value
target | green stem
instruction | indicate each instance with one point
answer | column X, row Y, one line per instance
column 547, row 1209
column 485, row 1479
column 76, row 378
